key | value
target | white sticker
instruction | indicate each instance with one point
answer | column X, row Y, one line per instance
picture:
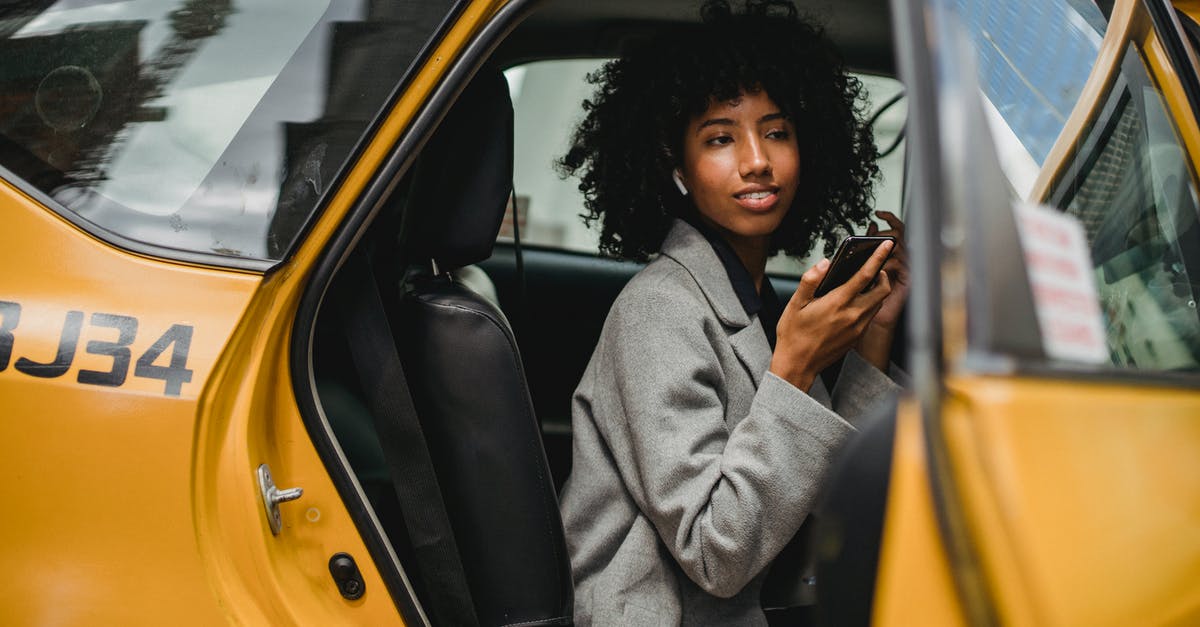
column 1062, row 276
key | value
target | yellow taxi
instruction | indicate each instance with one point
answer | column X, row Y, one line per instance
column 293, row 303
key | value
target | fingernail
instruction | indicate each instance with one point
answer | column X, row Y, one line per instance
column 822, row 264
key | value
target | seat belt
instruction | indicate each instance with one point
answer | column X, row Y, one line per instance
column 378, row 364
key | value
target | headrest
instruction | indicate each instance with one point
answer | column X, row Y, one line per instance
column 463, row 177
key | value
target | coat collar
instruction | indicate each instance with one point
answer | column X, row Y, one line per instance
column 692, row 250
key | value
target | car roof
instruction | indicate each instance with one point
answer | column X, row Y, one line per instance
column 598, row 28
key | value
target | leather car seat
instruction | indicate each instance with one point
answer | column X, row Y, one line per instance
column 465, row 373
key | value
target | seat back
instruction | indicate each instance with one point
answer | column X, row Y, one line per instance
column 466, row 377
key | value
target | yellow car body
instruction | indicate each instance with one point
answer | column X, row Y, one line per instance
column 141, row 392
column 134, row 505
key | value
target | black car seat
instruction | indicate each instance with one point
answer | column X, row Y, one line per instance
column 465, row 374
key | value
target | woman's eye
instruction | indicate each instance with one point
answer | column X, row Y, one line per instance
column 719, row 140
column 779, row 133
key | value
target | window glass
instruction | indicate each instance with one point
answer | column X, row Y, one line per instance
column 547, row 98
column 1114, row 163
column 198, row 125
column 1027, row 99
column 1131, row 186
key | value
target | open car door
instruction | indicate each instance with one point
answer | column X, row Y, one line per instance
column 1047, row 471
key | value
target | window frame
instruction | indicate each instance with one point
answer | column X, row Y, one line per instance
column 337, row 250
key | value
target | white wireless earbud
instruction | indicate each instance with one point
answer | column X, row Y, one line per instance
column 678, row 178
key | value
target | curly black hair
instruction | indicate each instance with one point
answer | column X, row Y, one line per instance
column 631, row 138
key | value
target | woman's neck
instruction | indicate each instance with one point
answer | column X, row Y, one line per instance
column 753, row 254
column 750, row 250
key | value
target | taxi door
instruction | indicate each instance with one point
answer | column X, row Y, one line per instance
column 169, row 174
column 1047, row 471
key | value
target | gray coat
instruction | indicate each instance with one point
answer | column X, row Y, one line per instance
column 693, row 466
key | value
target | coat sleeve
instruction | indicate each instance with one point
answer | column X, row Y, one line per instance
column 724, row 502
column 861, row 387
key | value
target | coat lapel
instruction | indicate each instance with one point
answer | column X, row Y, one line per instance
column 687, row 246
column 752, row 349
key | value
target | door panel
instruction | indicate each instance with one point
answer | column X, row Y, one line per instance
column 1083, row 498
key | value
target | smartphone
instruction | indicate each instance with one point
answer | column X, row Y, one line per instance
column 853, row 252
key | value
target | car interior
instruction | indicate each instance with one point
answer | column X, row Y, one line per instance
column 464, row 311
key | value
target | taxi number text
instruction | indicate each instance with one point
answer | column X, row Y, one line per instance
column 178, row 338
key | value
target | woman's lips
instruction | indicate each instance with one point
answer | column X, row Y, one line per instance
column 758, row 200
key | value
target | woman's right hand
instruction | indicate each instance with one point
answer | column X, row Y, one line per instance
column 812, row 334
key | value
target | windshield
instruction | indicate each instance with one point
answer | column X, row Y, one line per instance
column 207, row 126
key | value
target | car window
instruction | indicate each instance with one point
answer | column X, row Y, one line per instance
column 1100, row 146
column 547, row 99
column 1132, row 187
column 196, row 126
column 1027, row 99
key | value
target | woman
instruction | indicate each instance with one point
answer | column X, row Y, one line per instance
column 702, row 429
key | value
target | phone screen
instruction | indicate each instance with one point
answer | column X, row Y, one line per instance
column 853, row 252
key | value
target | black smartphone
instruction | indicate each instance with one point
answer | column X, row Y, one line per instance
column 853, row 252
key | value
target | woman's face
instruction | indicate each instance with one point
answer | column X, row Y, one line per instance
column 741, row 167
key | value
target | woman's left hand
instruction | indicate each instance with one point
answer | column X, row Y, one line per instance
column 875, row 345
column 896, row 269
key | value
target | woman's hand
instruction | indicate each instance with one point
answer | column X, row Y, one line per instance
column 876, row 343
column 896, row 269
column 812, row 334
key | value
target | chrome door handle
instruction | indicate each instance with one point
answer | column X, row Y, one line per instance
column 272, row 497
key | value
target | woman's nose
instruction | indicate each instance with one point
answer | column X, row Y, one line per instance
column 754, row 159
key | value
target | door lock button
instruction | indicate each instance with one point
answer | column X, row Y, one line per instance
column 345, row 574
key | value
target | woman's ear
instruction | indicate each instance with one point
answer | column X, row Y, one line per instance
column 677, row 176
